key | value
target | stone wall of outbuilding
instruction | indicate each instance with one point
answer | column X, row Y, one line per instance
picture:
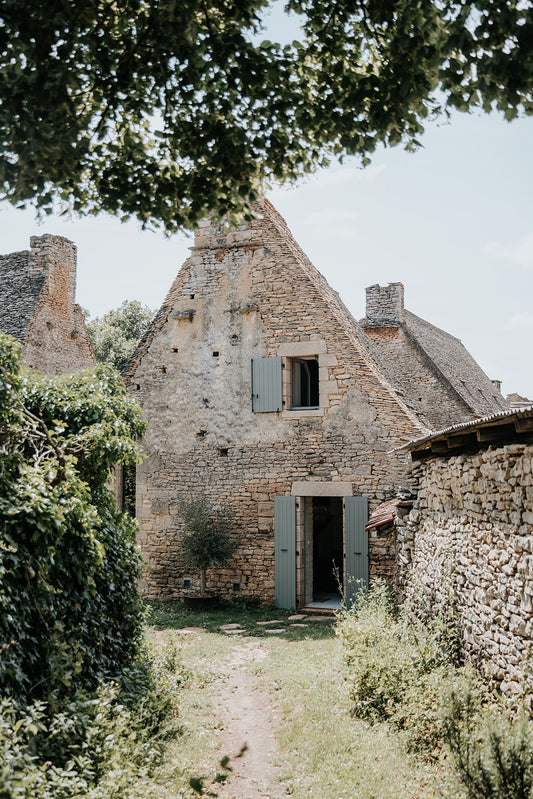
column 468, row 528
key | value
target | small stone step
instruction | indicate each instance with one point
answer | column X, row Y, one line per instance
column 276, row 631
column 320, row 618
column 187, row 630
column 272, row 621
column 298, row 617
column 235, row 632
column 230, row 626
column 298, row 625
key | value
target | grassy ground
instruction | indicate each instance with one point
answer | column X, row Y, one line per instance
column 323, row 751
column 173, row 616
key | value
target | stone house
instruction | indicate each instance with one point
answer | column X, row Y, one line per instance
column 261, row 391
column 464, row 527
column 37, row 306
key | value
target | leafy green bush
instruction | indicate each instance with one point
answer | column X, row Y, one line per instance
column 385, row 655
column 70, row 614
column 492, row 748
column 99, row 745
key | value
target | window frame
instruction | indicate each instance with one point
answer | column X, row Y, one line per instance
column 297, row 366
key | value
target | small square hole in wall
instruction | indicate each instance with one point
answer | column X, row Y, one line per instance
column 187, row 582
column 223, row 451
column 175, row 349
column 191, row 296
column 236, row 587
column 215, row 353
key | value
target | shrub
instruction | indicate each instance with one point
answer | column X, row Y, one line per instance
column 397, row 667
column 99, row 745
column 492, row 749
column 385, row 656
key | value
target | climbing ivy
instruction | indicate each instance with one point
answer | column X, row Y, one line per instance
column 70, row 614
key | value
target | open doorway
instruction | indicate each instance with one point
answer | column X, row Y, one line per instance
column 327, row 550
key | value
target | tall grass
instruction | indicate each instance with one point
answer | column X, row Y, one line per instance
column 406, row 673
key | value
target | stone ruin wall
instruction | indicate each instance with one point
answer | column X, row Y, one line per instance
column 469, row 526
column 42, row 312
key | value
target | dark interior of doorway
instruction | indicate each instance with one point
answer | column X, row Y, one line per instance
column 327, row 547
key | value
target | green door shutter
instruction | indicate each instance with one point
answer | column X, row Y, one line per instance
column 285, row 551
column 266, row 385
column 356, row 546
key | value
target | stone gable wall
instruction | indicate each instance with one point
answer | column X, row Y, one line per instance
column 470, row 529
column 37, row 292
column 250, row 294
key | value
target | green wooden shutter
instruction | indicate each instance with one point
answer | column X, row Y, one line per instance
column 356, row 546
column 285, row 551
column 266, row 385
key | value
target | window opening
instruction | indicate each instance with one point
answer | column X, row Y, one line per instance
column 304, row 383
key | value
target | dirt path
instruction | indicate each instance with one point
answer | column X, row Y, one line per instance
column 243, row 702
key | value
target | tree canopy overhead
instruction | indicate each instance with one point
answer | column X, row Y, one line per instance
column 169, row 109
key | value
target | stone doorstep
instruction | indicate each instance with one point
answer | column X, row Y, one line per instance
column 265, row 623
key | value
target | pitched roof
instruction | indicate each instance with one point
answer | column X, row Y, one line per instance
column 436, row 373
column 454, row 361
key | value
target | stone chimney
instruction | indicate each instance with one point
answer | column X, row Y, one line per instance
column 55, row 257
column 384, row 304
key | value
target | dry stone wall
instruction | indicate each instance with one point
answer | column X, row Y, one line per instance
column 470, row 530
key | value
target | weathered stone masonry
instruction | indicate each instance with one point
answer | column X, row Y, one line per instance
column 244, row 294
column 469, row 527
column 37, row 306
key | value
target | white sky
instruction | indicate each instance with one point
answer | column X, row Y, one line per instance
column 453, row 222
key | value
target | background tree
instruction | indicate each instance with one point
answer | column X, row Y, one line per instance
column 115, row 335
column 169, row 110
column 70, row 614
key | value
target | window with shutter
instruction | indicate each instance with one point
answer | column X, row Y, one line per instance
column 266, row 385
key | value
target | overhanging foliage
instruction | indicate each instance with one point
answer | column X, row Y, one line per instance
column 170, row 109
